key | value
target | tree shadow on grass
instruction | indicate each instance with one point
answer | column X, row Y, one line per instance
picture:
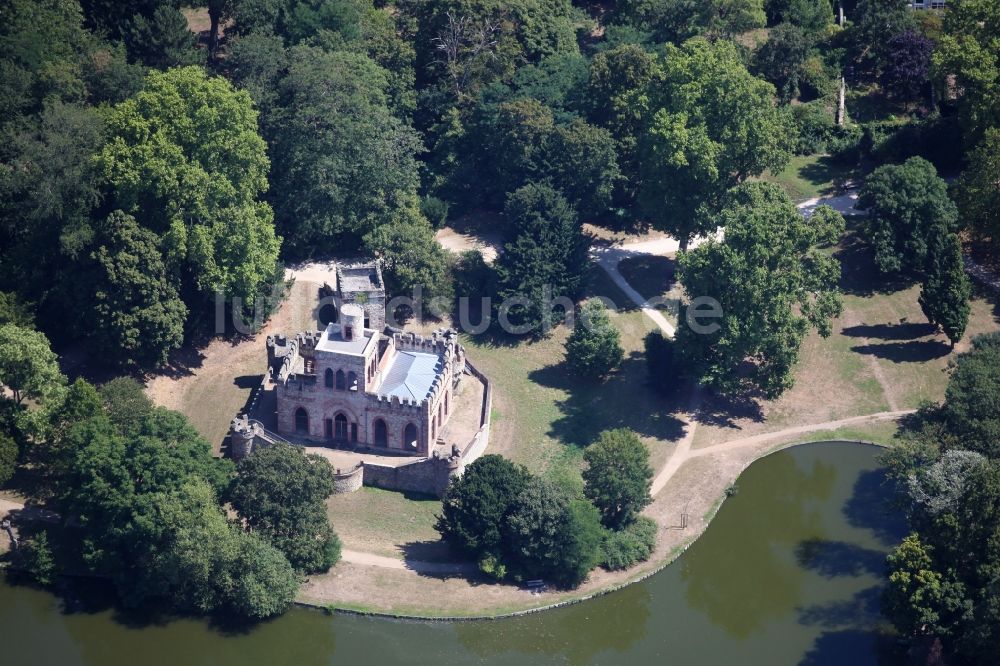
column 622, row 401
column 727, row 411
column 858, row 273
column 839, row 558
column 826, row 170
column 901, row 331
column 913, row 351
column 433, row 559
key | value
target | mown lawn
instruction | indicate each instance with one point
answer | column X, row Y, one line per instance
column 545, row 415
column 810, row 176
column 388, row 523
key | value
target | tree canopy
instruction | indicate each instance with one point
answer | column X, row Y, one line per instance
column 618, row 476
column 714, row 125
column 281, row 493
column 773, row 284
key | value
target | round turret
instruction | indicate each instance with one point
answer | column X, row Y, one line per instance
column 352, row 320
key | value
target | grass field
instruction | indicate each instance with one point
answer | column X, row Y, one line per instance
column 809, row 176
column 388, row 523
column 544, row 415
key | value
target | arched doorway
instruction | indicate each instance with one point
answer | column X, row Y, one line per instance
column 381, row 433
column 301, row 421
column 340, row 427
column 410, row 438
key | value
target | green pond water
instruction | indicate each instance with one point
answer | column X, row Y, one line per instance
column 787, row 573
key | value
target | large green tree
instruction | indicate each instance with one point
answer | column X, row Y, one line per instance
column 772, row 283
column 29, row 369
column 946, row 290
column 908, row 207
column 970, row 410
column 544, row 259
column 618, row 476
column 978, row 190
column 154, row 31
column 184, row 157
column 677, row 20
column 714, row 126
column 281, row 493
column 551, row 536
column 343, row 163
column 412, row 257
column 137, row 315
column 966, row 64
column 476, row 504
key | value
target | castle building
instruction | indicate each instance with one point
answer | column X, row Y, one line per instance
column 358, row 385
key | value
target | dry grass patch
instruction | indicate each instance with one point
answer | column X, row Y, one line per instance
column 211, row 384
column 388, row 523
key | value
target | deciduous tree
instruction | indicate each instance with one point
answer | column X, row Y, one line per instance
column 281, row 493
column 715, row 126
column 618, row 476
column 772, row 283
column 908, row 207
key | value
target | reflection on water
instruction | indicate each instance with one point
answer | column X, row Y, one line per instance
column 787, row 573
column 742, row 572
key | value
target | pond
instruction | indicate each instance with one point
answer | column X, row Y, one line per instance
column 788, row 573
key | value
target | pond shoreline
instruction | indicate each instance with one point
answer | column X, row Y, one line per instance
column 657, row 567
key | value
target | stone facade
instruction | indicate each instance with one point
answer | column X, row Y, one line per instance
column 368, row 390
column 358, row 283
column 357, row 387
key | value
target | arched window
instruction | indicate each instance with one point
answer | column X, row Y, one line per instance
column 439, row 414
column 433, row 430
column 352, row 380
column 301, row 421
column 381, row 433
column 341, row 380
column 340, row 427
column 328, row 378
column 446, row 402
column 410, row 437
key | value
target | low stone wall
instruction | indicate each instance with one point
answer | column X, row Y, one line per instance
column 348, row 481
column 429, row 476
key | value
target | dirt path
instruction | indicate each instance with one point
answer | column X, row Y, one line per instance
column 682, row 455
column 851, row 319
column 372, row 560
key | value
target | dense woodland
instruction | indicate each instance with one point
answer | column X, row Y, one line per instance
column 147, row 171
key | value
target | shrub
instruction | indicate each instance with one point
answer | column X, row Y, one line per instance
column 491, row 565
column 473, row 277
column 435, row 210
column 815, row 80
column 594, row 348
column 845, row 144
column 627, row 547
column 816, row 126
column 36, row 559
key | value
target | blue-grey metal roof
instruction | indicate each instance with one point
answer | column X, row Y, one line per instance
column 410, row 375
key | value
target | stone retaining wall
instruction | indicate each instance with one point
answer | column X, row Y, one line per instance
column 348, row 481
